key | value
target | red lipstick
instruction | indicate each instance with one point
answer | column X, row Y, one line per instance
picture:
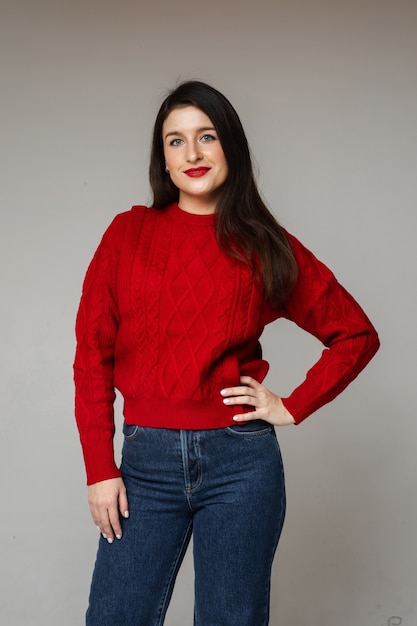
column 196, row 172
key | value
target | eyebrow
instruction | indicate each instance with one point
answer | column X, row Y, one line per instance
column 199, row 130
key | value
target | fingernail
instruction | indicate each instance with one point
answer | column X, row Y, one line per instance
column 104, row 535
column 236, row 419
column 109, row 540
column 118, row 536
column 224, row 392
column 126, row 514
column 226, row 401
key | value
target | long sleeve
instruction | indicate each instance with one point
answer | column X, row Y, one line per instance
column 321, row 306
column 96, row 329
column 169, row 319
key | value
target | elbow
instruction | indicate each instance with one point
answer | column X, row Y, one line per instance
column 370, row 345
column 375, row 342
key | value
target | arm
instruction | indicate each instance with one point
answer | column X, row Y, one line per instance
column 322, row 307
column 96, row 329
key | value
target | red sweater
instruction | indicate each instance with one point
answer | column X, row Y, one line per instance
column 169, row 319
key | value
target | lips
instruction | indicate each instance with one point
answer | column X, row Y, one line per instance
column 196, row 172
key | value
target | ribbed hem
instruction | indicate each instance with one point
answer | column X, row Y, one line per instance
column 180, row 414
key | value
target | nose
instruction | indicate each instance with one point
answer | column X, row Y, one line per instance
column 193, row 152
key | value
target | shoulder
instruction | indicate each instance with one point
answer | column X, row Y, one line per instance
column 307, row 261
column 130, row 223
column 123, row 221
column 298, row 247
column 138, row 211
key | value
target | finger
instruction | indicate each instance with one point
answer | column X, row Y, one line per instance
column 123, row 504
column 114, row 521
column 96, row 516
column 251, row 387
column 238, row 392
column 246, row 417
column 98, row 513
column 101, row 518
column 234, row 391
column 248, row 400
column 251, row 382
column 106, row 525
column 96, row 520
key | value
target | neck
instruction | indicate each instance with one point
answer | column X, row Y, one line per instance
column 199, row 206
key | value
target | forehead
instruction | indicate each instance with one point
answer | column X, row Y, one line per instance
column 186, row 118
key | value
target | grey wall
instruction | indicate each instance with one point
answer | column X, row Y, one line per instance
column 327, row 92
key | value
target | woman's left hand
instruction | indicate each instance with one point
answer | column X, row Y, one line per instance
column 268, row 406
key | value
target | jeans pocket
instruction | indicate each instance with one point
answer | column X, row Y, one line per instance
column 250, row 429
column 131, row 431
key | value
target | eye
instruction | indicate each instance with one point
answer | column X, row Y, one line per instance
column 208, row 137
column 175, row 142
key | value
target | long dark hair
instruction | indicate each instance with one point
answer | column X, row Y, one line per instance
column 245, row 227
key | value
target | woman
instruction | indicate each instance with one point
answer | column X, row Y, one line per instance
column 173, row 306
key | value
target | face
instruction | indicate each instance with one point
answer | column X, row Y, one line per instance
column 194, row 158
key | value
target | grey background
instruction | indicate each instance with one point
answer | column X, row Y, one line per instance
column 327, row 94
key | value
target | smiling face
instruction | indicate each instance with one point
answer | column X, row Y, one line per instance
column 194, row 158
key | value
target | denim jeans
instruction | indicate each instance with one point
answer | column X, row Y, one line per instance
column 223, row 486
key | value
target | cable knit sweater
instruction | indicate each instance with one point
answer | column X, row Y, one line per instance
column 169, row 319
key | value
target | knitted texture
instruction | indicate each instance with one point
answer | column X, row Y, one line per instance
column 169, row 319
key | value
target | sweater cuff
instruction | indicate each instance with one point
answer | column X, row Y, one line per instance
column 292, row 409
column 99, row 463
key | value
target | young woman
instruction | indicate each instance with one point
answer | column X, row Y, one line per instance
column 174, row 303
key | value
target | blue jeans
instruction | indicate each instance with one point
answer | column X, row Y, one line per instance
column 223, row 486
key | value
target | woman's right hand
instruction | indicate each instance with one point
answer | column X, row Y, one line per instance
column 108, row 500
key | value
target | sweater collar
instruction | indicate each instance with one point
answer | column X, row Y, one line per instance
column 193, row 219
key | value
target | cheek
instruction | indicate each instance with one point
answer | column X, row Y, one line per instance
column 170, row 153
column 225, row 168
column 221, row 159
